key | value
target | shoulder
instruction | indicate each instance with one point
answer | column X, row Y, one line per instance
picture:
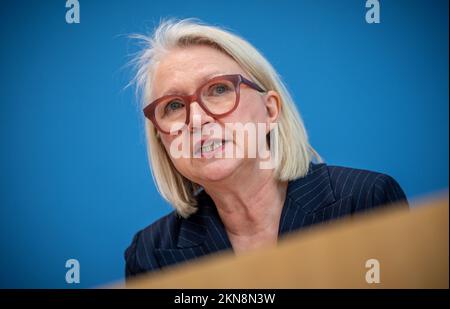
column 367, row 188
column 139, row 256
column 358, row 189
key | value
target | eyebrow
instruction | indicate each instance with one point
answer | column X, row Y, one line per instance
column 204, row 79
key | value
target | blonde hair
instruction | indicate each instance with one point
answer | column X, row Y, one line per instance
column 294, row 150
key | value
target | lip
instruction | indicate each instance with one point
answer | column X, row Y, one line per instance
column 199, row 145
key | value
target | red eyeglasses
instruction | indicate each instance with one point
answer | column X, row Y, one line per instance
column 218, row 97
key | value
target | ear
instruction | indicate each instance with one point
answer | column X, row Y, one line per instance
column 273, row 108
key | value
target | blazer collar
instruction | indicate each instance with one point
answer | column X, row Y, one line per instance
column 304, row 196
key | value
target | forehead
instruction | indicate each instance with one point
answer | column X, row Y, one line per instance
column 183, row 69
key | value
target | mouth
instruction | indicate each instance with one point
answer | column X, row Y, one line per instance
column 209, row 147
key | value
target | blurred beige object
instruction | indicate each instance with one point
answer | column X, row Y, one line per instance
column 411, row 246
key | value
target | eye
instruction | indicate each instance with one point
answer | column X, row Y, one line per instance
column 173, row 106
column 218, row 89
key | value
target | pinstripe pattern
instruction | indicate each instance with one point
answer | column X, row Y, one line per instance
column 324, row 194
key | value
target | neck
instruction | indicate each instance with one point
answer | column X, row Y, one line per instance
column 249, row 206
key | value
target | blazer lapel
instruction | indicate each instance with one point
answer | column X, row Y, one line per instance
column 201, row 234
column 311, row 200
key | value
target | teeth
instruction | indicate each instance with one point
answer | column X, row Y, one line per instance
column 211, row 146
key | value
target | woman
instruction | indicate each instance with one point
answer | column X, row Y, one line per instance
column 206, row 92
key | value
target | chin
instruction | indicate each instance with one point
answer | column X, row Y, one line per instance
column 216, row 169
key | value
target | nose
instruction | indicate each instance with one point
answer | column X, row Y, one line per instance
column 198, row 117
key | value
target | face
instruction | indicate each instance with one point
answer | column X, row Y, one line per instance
column 183, row 70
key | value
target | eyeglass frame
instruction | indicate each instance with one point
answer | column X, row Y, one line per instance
column 236, row 79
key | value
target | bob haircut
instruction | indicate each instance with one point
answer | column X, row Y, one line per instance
column 294, row 151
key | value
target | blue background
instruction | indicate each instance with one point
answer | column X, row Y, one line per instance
column 74, row 176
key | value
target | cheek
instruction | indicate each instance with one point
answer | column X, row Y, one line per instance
column 181, row 164
column 250, row 109
column 167, row 141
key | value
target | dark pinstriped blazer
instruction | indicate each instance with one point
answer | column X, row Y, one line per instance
column 324, row 194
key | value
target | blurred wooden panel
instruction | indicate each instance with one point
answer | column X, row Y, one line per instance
column 412, row 247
